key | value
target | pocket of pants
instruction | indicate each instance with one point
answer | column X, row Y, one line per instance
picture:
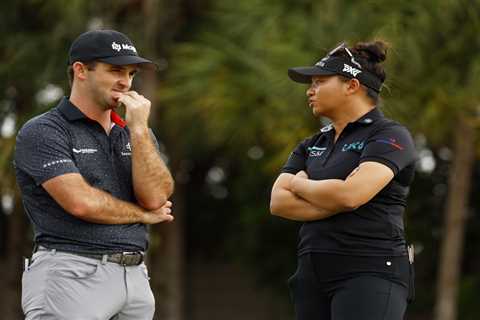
column 411, row 284
column 145, row 271
column 74, row 268
column 292, row 284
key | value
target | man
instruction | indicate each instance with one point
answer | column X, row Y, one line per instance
column 91, row 182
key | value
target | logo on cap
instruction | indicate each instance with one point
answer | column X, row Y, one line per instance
column 349, row 69
column 117, row 47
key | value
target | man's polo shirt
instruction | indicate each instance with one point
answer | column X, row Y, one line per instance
column 376, row 228
column 63, row 140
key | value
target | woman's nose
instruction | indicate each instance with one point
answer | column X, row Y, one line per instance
column 310, row 92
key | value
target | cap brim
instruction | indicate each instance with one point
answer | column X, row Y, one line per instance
column 124, row 60
column 304, row 74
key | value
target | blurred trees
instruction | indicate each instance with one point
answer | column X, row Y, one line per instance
column 444, row 59
column 228, row 116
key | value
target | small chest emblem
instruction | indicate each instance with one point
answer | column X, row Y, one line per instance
column 354, row 146
column 316, row 151
column 128, row 146
column 84, row 150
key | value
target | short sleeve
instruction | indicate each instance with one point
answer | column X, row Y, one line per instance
column 392, row 146
column 43, row 151
column 296, row 160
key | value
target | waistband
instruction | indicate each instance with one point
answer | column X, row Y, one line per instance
column 122, row 258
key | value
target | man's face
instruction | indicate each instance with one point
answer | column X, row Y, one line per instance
column 108, row 82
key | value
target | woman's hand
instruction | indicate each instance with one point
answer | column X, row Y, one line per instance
column 297, row 180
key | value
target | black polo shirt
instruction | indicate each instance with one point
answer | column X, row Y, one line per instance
column 63, row 140
column 376, row 228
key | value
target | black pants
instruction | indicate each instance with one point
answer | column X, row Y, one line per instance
column 331, row 287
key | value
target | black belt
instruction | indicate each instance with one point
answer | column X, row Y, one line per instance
column 122, row 258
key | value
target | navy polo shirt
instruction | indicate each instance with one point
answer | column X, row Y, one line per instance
column 376, row 228
column 63, row 140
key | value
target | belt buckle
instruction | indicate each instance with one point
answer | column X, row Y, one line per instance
column 126, row 255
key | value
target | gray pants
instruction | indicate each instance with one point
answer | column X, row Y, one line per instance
column 60, row 285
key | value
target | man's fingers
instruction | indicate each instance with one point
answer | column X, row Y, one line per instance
column 126, row 99
column 135, row 95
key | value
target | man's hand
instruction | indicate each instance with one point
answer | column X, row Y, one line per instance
column 162, row 214
column 137, row 110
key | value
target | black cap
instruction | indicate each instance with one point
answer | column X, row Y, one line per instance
column 336, row 65
column 107, row 46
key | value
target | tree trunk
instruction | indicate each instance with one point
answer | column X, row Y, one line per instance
column 167, row 252
column 168, row 266
column 460, row 176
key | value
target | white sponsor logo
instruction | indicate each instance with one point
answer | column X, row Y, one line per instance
column 51, row 163
column 128, row 146
column 129, row 47
column 117, row 47
column 349, row 69
column 85, row 150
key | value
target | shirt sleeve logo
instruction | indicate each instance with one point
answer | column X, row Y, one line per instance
column 392, row 142
column 52, row 163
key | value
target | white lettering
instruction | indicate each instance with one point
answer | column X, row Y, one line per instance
column 129, row 47
column 124, row 46
column 86, row 150
column 349, row 69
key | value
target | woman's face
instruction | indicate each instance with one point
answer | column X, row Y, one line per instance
column 325, row 94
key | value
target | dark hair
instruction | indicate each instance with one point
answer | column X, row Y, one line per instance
column 90, row 66
column 369, row 55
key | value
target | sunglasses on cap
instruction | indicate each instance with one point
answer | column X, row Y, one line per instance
column 330, row 64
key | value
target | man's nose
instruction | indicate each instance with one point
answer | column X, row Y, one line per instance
column 125, row 80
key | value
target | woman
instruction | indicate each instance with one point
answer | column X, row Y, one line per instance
column 349, row 184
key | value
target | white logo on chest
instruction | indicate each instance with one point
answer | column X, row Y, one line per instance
column 128, row 146
column 84, row 150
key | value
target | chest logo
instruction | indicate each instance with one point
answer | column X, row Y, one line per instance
column 84, row 150
column 128, row 146
column 354, row 146
column 316, row 151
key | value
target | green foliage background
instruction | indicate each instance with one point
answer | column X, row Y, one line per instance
column 224, row 101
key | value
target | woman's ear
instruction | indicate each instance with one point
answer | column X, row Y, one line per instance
column 353, row 85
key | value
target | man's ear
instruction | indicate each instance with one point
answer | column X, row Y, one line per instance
column 79, row 70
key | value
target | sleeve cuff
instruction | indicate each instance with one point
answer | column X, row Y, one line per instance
column 386, row 162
